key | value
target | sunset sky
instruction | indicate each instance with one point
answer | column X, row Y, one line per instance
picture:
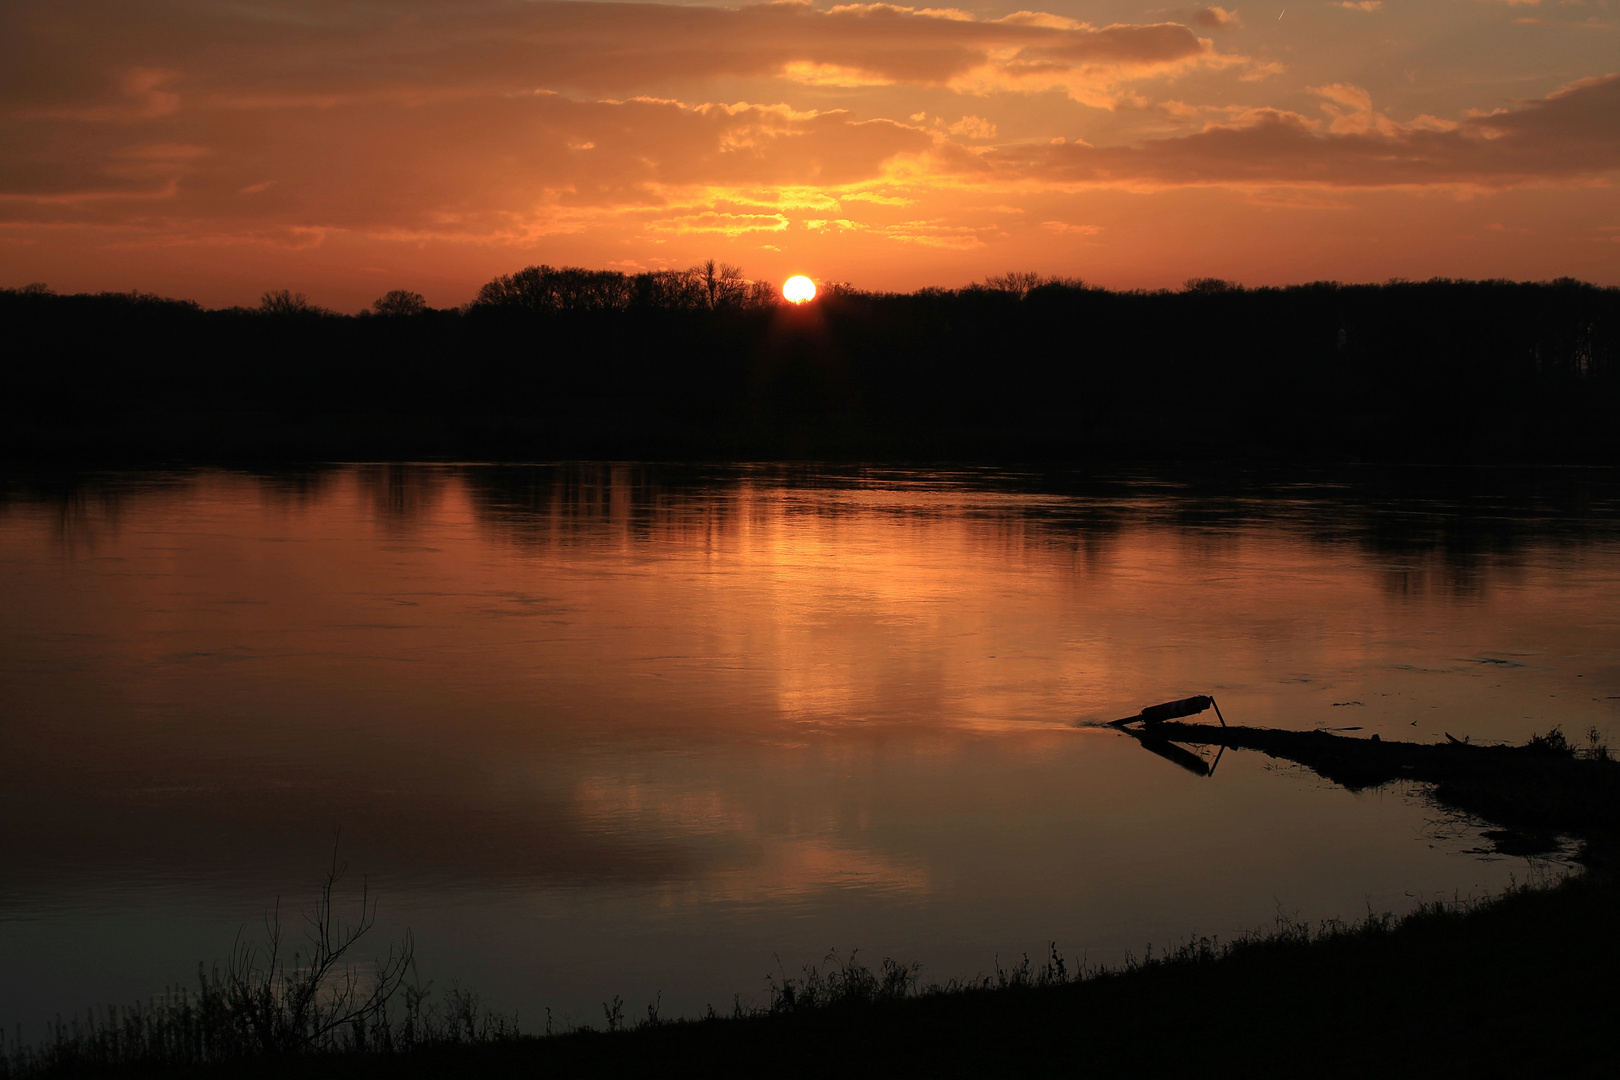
column 212, row 150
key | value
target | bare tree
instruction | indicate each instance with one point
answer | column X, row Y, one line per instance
column 399, row 302
column 1017, row 282
column 723, row 284
column 284, row 302
column 763, row 294
column 317, row 995
column 670, row 289
column 1210, row 285
column 552, row 288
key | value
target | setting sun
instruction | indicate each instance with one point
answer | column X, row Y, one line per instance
column 798, row 289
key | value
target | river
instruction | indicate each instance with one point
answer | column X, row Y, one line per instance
column 660, row 731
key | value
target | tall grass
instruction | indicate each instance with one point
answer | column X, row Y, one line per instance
column 273, row 999
column 1555, row 742
column 215, row 1025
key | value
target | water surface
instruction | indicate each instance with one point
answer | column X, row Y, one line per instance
column 597, row 730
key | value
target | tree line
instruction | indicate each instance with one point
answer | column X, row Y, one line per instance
column 709, row 286
column 705, row 360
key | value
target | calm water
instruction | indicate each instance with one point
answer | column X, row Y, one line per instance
column 595, row 730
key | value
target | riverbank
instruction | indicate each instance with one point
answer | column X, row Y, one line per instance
column 1522, row 983
column 1519, row 986
column 635, row 429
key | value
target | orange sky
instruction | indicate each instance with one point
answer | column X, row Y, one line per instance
column 213, row 150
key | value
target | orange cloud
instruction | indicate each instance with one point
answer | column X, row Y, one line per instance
column 1217, row 18
column 603, row 132
column 360, row 115
column 361, row 167
column 316, row 54
column 1573, row 132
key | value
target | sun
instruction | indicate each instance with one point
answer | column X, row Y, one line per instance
column 798, row 289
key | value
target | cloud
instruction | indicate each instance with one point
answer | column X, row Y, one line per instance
column 140, row 94
column 814, row 74
column 1091, row 64
column 973, row 127
column 1352, row 112
column 1217, row 18
column 1360, row 5
column 511, row 167
column 294, row 125
column 723, row 224
column 936, row 234
column 461, row 117
column 878, row 198
column 1065, row 228
column 836, row 225
column 316, row 55
column 1573, row 132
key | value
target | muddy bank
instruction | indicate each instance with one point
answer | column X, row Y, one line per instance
column 1533, row 793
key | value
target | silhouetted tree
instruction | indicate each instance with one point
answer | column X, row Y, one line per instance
column 676, row 290
column 708, row 286
column 1210, row 285
column 399, row 302
column 284, row 302
column 763, row 294
column 723, row 284
column 1017, row 282
column 1021, row 283
column 568, row 288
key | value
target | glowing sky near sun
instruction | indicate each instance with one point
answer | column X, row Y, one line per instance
column 215, row 150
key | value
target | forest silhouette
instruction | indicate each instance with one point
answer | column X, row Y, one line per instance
column 704, row 362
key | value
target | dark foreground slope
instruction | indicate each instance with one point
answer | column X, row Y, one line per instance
column 1432, row 371
column 1522, row 985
